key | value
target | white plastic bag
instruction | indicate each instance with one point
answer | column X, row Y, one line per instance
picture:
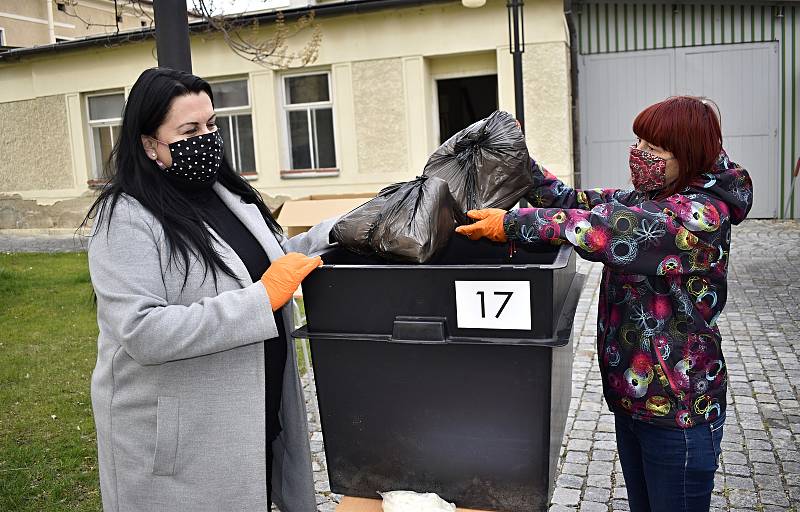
column 410, row 501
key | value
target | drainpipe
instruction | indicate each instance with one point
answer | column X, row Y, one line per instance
column 573, row 78
column 51, row 28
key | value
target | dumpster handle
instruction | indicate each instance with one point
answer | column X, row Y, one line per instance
column 419, row 330
column 567, row 317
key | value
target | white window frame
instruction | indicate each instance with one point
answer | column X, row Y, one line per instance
column 113, row 122
column 2, row 36
column 234, row 111
column 286, row 107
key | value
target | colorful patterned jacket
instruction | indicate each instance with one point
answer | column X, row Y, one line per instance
column 663, row 286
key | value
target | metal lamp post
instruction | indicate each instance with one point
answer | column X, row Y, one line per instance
column 516, row 45
column 172, row 34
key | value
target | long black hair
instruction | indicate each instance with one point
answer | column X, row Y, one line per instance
column 130, row 172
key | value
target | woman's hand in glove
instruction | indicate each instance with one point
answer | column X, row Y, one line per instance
column 285, row 274
column 489, row 225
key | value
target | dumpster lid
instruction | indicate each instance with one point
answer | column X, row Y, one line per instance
column 461, row 252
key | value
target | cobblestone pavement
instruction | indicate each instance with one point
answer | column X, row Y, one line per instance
column 760, row 463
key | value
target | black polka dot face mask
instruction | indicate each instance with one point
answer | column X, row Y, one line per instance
column 195, row 160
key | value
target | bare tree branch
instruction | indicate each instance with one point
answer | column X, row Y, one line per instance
column 71, row 9
column 244, row 37
column 116, row 15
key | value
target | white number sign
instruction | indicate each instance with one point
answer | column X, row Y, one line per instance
column 493, row 305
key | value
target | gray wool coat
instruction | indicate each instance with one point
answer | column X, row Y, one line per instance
column 178, row 387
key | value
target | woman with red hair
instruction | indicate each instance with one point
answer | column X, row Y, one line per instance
column 664, row 247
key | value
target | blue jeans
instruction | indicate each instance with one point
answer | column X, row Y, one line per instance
column 668, row 470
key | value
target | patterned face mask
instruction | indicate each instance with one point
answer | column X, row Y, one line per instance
column 648, row 171
column 194, row 160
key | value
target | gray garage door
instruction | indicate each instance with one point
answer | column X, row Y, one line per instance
column 742, row 78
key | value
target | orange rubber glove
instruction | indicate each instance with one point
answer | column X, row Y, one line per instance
column 489, row 225
column 285, row 274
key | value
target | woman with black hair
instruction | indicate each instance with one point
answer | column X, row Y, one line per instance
column 195, row 393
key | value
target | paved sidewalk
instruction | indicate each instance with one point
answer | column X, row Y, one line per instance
column 41, row 240
column 760, row 464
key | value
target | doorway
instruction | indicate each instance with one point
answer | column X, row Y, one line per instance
column 462, row 101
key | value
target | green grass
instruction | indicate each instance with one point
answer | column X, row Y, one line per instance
column 298, row 344
column 48, row 336
column 48, row 332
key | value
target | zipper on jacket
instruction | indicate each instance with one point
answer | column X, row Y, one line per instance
column 665, row 378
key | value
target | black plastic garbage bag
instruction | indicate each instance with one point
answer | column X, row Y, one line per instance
column 486, row 164
column 409, row 222
column 354, row 229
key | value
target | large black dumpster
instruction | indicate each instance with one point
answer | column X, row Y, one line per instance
column 425, row 383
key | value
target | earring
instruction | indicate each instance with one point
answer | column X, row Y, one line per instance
column 153, row 155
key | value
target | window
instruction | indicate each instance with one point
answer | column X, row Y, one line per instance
column 105, row 120
column 61, row 7
column 309, row 122
column 2, row 37
column 235, row 124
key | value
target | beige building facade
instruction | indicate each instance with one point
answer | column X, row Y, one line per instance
column 26, row 23
column 367, row 113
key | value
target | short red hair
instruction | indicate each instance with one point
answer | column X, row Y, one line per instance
column 689, row 128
